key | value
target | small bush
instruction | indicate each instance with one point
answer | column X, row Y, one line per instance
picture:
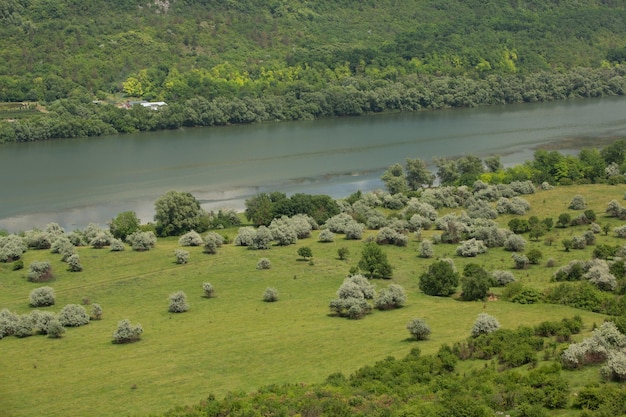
column 418, row 329
column 96, row 311
column 305, row 252
column 264, row 263
column 578, row 203
column 178, row 302
column 390, row 298
column 326, row 236
column 117, row 245
column 515, row 243
column 24, row 326
column 41, row 320
column 343, row 253
column 471, row 248
column 42, row 297
column 142, row 241
column 127, row 333
column 73, row 315
column 534, row 256
column 8, row 323
column 39, row 271
column 191, row 238
column 502, row 278
column 521, row 261
column 182, row 256
column 484, row 324
column 74, row 264
column 270, row 295
column 213, row 241
column 245, row 236
column 208, row 290
column 426, row 249
column 55, row 329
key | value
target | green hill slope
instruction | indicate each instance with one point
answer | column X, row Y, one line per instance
column 178, row 49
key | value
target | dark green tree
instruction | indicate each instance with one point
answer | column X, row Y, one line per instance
column 395, row 179
column 260, row 210
column 418, row 174
column 305, row 252
column 124, row 224
column 475, row 282
column 178, row 213
column 374, row 261
column 441, row 279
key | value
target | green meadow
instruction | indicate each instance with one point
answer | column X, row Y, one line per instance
column 237, row 342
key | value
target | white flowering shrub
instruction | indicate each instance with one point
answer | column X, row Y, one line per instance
column 270, row 295
column 264, row 263
column 96, row 311
column 12, row 247
column 354, row 230
column 55, row 329
column 471, row 248
column 142, row 241
column 484, row 324
column 8, row 323
column 208, row 290
column 426, row 249
column 182, row 256
column 577, row 203
column 245, row 236
column 117, row 245
column 283, row 231
column 42, row 297
column 39, row 271
column 74, row 264
column 502, row 278
column 24, row 326
column 390, row 298
column 418, row 329
column 178, row 302
column 515, row 243
column 326, row 236
column 73, row 315
column 212, row 241
column 126, row 332
column 191, row 238
column 339, row 222
column 262, row 238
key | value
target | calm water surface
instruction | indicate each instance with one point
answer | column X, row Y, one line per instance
column 74, row 182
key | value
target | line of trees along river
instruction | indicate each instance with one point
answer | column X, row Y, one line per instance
column 74, row 182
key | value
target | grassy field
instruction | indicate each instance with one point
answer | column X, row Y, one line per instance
column 235, row 341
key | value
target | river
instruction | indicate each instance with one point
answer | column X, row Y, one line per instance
column 77, row 181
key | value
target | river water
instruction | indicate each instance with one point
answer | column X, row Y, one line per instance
column 77, row 181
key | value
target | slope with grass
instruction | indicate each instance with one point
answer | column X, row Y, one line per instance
column 235, row 341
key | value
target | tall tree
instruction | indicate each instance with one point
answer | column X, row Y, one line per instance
column 178, row 213
column 394, row 179
column 259, row 210
column 374, row 261
column 417, row 174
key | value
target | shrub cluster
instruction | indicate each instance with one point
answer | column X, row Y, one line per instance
column 42, row 297
column 73, row 315
column 352, row 296
column 390, row 298
column 178, row 302
column 126, row 332
column 418, row 329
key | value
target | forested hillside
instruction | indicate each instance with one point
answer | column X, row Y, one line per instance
column 254, row 60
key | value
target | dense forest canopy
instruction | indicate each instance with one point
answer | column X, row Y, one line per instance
column 226, row 62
